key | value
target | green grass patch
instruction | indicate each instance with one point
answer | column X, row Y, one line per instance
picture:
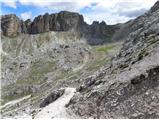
column 105, row 48
column 37, row 72
column 13, row 97
column 6, row 97
column 97, row 64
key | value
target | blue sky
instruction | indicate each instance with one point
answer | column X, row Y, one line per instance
column 110, row 11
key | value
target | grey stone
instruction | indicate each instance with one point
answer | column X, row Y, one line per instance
column 52, row 97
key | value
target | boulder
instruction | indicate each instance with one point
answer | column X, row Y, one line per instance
column 52, row 97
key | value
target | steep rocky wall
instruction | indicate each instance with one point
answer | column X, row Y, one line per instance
column 63, row 21
column 10, row 25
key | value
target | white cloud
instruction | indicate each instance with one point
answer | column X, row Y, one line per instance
column 69, row 5
column 83, row 3
column 107, row 17
column 47, row 3
column 117, row 11
column 10, row 3
column 26, row 15
column 111, row 11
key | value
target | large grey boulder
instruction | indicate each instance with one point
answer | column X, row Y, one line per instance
column 52, row 97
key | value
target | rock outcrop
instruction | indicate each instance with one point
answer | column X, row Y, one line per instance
column 10, row 25
column 63, row 21
column 52, row 97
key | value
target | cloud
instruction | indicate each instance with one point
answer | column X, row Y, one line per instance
column 10, row 3
column 117, row 11
column 26, row 15
column 55, row 5
column 111, row 11
column 107, row 17
column 47, row 3
column 133, row 13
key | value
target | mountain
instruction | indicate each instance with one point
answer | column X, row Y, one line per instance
column 97, row 33
column 128, row 88
column 58, row 66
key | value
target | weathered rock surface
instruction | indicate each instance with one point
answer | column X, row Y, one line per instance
column 129, row 88
column 10, row 25
column 63, row 21
column 52, row 97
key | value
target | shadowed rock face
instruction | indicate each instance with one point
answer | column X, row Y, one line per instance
column 63, row 21
column 52, row 97
column 99, row 33
column 96, row 33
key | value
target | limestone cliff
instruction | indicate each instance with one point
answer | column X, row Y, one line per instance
column 96, row 33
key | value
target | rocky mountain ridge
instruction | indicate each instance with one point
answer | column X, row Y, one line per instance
column 62, row 21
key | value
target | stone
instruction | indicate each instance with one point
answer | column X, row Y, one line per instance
column 52, row 97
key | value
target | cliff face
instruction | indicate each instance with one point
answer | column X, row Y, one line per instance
column 62, row 21
column 10, row 25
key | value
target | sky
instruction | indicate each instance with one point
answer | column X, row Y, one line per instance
column 110, row 11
